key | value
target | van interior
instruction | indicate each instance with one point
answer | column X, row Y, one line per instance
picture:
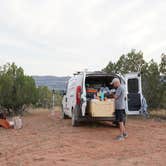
column 98, row 87
column 97, row 83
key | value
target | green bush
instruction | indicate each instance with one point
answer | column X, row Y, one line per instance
column 16, row 89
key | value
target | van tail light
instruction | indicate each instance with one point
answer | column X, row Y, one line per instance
column 78, row 95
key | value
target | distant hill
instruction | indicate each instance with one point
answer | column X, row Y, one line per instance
column 52, row 82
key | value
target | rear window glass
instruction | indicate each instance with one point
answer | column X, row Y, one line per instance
column 133, row 86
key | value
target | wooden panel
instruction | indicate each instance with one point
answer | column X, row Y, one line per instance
column 98, row 108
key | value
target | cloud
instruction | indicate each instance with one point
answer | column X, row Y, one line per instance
column 60, row 37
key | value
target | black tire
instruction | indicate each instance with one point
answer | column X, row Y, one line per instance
column 63, row 115
column 115, row 124
column 75, row 121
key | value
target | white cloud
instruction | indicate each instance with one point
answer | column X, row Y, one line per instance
column 59, row 37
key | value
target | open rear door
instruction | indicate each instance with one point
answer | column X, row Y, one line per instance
column 134, row 93
column 83, row 96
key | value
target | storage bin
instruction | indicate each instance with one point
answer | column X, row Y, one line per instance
column 97, row 108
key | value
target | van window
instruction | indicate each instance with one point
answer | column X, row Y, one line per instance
column 133, row 86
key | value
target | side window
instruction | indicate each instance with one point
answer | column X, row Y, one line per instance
column 133, row 86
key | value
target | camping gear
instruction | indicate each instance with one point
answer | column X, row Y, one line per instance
column 91, row 93
column 2, row 115
column 11, row 124
column 98, row 108
column 17, row 122
column 91, row 90
column 102, row 95
column 4, row 123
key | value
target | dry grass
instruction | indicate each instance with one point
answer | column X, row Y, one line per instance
column 38, row 110
column 161, row 113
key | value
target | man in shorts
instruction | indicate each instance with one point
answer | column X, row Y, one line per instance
column 120, row 108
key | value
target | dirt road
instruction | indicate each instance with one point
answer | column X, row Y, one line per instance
column 49, row 141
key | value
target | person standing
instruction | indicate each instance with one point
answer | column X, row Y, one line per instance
column 120, row 108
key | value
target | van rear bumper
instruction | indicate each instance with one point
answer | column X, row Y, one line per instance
column 97, row 118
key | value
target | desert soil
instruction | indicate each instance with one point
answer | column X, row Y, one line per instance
column 46, row 140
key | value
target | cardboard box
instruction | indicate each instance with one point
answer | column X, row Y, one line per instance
column 98, row 108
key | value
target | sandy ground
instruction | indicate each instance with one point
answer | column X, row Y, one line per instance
column 46, row 140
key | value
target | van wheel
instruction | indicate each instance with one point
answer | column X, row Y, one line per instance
column 63, row 115
column 115, row 124
column 74, row 118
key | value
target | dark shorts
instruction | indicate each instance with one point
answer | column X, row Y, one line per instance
column 120, row 115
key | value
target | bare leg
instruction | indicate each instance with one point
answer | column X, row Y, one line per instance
column 122, row 128
column 123, row 134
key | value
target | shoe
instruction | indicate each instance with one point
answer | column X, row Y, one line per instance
column 125, row 135
column 120, row 138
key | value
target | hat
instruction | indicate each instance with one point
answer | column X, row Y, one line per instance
column 115, row 80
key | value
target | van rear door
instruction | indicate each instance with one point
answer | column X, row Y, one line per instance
column 134, row 93
column 83, row 95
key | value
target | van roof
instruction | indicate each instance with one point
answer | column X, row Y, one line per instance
column 98, row 73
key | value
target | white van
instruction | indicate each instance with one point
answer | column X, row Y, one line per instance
column 74, row 104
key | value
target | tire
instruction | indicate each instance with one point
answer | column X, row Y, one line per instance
column 75, row 121
column 115, row 124
column 63, row 115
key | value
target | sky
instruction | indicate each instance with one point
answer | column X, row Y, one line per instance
column 60, row 37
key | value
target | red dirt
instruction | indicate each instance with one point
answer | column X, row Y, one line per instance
column 46, row 140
